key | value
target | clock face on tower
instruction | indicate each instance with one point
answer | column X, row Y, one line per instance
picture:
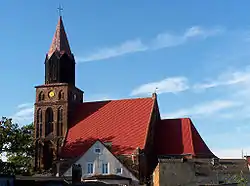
column 51, row 94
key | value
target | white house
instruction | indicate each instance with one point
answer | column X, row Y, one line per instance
column 99, row 164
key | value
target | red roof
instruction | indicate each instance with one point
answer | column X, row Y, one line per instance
column 60, row 42
column 122, row 122
column 179, row 137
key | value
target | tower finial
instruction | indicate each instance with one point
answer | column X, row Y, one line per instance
column 60, row 9
column 154, row 95
column 156, row 88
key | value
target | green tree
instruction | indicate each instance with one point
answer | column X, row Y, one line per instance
column 16, row 144
column 237, row 178
column 241, row 179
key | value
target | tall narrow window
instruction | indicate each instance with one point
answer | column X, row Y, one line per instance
column 105, row 169
column 49, row 118
column 37, row 154
column 90, row 168
column 39, row 123
column 60, row 122
column 41, row 96
column 61, row 95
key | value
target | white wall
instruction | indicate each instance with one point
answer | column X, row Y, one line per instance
column 105, row 156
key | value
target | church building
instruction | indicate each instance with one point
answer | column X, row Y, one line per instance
column 66, row 126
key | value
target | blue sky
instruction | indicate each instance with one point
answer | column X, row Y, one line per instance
column 197, row 54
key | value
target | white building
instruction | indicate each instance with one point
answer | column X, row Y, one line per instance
column 99, row 164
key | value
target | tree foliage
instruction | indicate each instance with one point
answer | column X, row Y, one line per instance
column 16, row 144
column 239, row 178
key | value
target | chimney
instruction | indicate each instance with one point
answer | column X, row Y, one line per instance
column 76, row 173
column 57, row 169
column 135, row 156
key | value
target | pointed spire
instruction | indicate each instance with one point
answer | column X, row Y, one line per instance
column 60, row 42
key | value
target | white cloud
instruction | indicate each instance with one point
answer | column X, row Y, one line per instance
column 125, row 48
column 204, row 109
column 236, row 95
column 99, row 97
column 24, row 105
column 173, row 85
column 178, row 84
column 24, row 114
column 235, row 88
column 236, row 142
column 170, row 40
column 162, row 40
column 231, row 152
column 229, row 78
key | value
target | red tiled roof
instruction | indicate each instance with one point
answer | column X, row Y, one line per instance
column 179, row 137
column 60, row 42
column 122, row 122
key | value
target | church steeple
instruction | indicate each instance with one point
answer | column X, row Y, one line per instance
column 60, row 62
column 56, row 100
column 60, row 43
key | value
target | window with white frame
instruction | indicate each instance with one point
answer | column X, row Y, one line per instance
column 118, row 170
column 97, row 150
column 105, row 168
column 90, row 168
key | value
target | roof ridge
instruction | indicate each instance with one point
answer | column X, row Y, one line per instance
column 165, row 119
column 190, row 133
column 195, row 134
column 118, row 100
column 149, row 120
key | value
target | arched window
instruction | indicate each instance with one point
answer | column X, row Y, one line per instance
column 61, row 95
column 49, row 118
column 39, row 128
column 60, row 122
column 41, row 96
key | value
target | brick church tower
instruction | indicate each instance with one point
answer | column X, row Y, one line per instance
column 55, row 100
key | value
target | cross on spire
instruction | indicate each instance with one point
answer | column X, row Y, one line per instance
column 60, row 9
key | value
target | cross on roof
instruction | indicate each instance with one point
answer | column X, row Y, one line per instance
column 60, row 9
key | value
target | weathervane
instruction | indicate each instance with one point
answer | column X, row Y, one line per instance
column 60, row 9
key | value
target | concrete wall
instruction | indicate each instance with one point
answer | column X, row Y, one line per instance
column 174, row 172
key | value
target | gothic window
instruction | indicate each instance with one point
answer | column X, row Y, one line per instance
column 38, row 154
column 37, row 131
column 60, row 122
column 49, row 118
column 49, row 70
column 61, row 95
column 41, row 96
column 54, row 71
column 39, row 123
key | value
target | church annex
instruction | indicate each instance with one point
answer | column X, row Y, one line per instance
column 66, row 126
